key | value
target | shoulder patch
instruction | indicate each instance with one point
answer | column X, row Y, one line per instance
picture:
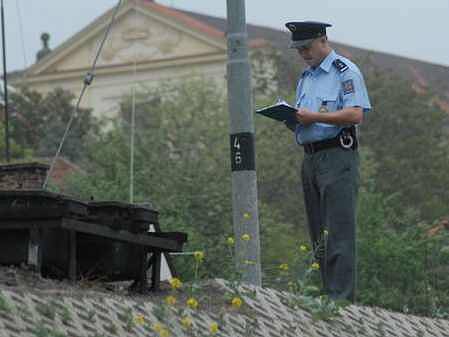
column 348, row 87
column 340, row 65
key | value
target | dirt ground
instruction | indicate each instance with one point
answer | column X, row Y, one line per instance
column 210, row 294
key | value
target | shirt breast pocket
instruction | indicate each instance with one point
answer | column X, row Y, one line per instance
column 328, row 103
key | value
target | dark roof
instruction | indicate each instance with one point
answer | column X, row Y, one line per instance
column 277, row 37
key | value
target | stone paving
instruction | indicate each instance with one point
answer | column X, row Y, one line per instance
column 32, row 313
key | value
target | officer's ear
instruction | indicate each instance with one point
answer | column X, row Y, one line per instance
column 323, row 41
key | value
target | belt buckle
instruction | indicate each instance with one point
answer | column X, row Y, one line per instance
column 346, row 141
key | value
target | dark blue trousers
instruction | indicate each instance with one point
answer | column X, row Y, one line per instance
column 330, row 181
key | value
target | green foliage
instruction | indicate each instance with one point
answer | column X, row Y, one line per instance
column 128, row 319
column 278, row 160
column 42, row 331
column 408, row 139
column 16, row 151
column 182, row 164
column 301, row 279
column 321, row 308
column 66, row 315
column 182, row 167
column 265, row 65
column 5, row 306
column 279, row 244
column 401, row 267
column 39, row 122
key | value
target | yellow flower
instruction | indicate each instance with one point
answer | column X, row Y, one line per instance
column 170, row 300
column 283, row 267
column 139, row 320
column 199, row 256
column 175, row 283
column 315, row 266
column 213, row 328
column 164, row 333
column 192, row 303
column 158, row 328
column 230, row 241
column 303, row 248
column 186, row 322
column 236, row 302
column 246, row 237
column 246, row 216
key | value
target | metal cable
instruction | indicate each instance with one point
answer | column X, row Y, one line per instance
column 19, row 17
column 133, row 118
column 87, row 81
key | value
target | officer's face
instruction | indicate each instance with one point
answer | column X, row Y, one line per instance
column 312, row 53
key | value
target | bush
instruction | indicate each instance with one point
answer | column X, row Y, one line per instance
column 400, row 266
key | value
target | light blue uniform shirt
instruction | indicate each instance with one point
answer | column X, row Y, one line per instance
column 332, row 87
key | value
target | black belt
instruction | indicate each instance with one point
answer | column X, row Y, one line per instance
column 346, row 139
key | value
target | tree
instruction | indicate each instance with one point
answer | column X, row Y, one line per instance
column 39, row 122
column 407, row 136
column 15, row 150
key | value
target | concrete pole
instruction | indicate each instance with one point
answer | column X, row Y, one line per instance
column 244, row 180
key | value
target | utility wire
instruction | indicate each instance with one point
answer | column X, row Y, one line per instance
column 87, row 81
column 5, row 85
column 133, row 118
column 22, row 38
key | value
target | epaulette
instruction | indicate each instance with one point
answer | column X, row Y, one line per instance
column 340, row 65
column 304, row 73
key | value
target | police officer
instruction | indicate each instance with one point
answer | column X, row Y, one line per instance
column 331, row 99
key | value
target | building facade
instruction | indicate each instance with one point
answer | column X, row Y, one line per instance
column 147, row 43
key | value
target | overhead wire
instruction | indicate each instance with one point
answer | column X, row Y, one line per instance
column 22, row 38
column 87, row 81
column 133, row 117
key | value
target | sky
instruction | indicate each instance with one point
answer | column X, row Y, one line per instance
column 410, row 28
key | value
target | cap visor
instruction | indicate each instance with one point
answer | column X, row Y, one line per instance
column 300, row 43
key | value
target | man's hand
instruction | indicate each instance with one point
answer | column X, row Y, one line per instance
column 305, row 116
